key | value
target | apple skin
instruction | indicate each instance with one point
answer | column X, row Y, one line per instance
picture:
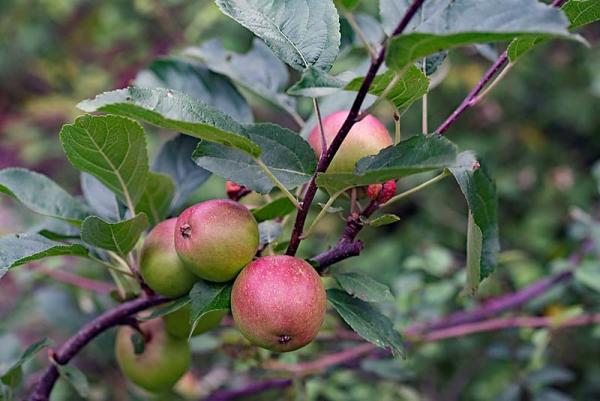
column 216, row 239
column 160, row 265
column 178, row 323
column 278, row 303
column 366, row 138
column 164, row 361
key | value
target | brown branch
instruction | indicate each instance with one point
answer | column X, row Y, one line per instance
column 111, row 318
column 326, row 158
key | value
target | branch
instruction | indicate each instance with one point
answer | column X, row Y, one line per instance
column 326, row 158
column 73, row 345
column 510, row 322
column 341, row 251
column 474, row 96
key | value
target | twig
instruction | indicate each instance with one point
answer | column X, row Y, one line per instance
column 73, row 345
column 361, row 35
column 334, row 146
column 341, row 251
column 510, row 322
column 321, row 129
column 276, row 181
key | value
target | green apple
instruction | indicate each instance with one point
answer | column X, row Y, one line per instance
column 160, row 266
column 216, row 239
column 162, row 363
column 178, row 323
column 366, row 138
column 278, row 303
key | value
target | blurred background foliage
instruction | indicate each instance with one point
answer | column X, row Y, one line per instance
column 538, row 132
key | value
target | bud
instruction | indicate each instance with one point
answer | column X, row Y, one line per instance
column 382, row 192
column 235, row 191
column 373, row 191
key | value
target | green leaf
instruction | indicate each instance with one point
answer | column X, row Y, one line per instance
column 175, row 159
column 582, row 12
column 197, row 81
column 480, row 192
column 258, row 70
column 381, row 220
column 347, row 4
column 406, row 88
column 363, row 287
column 12, row 376
column 75, row 378
column 41, row 195
column 176, row 111
column 118, row 237
column 366, row 321
column 289, row 157
column 112, row 149
column 278, row 208
column 156, row 198
column 301, row 33
column 315, row 83
column 520, row 46
column 474, row 247
column 463, row 22
column 18, row 249
column 414, row 155
column 167, row 309
column 588, row 274
column 206, row 297
column 392, row 11
column 101, row 200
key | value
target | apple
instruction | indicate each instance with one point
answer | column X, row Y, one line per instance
column 366, row 138
column 160, row 265
column 216, row 239
column 278, row 302
column 164, row 359
column 178, row 323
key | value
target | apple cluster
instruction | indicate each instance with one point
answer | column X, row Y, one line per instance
column 277, row 302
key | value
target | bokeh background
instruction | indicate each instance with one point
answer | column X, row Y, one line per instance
column 539, row 132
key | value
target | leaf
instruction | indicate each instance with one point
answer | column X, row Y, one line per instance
column 41, row 195
column 197, row 81
column 176, row 111
column 588, row 274
column 278, row 208
column 175, row 159
column 406, row 88
column 75, row 378
column 392, row 11
column 289, row 157
column 18, row 249
column 480, row 192
column 582, row 12
column 102, row 200
column 382, row 220
column 112, row 149
column 473, row 264
column 462, row 22
column 301, row 33
column 156, row 198
column 414, row 155
column 268, row 232
column 117, row 237
column 518, row 47
column 366, row 321
column 206, row 297
column 167, row 309
column 258, row 70
column 12, row 376
column 315, row 83
column 363, row 287
column 347, row 4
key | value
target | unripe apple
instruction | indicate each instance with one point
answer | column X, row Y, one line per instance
column 178, row 323
column 216, row 239
column 160, row 266
column 367, row 137
column 278, row 302
column 161, row 364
